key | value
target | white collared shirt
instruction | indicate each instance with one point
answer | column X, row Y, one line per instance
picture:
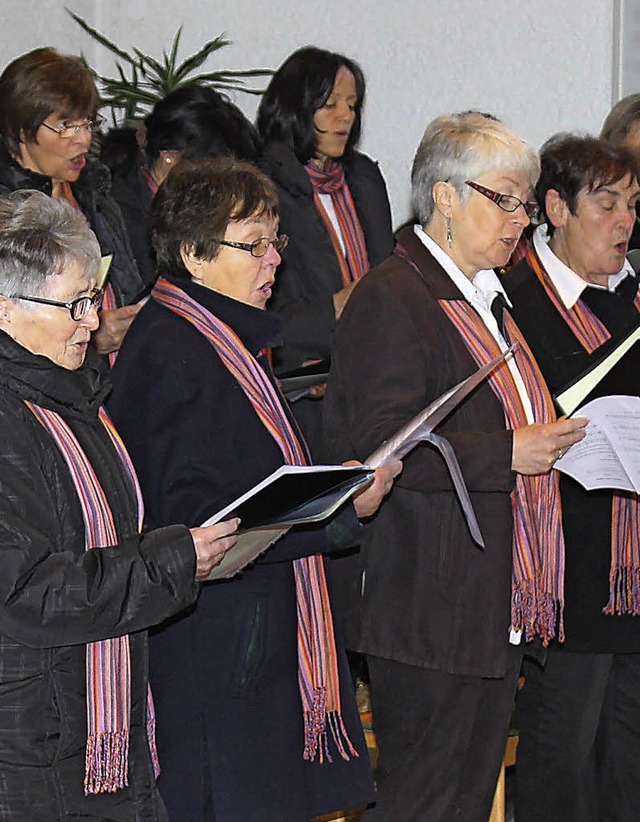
column 327, row 203
column 479, row 293
column 568, row 284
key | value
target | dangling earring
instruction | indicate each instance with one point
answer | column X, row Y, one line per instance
column 449, row 237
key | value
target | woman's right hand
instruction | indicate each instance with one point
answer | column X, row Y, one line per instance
column 536, row 447
column 212, row 543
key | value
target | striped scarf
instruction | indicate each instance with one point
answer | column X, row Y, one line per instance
column 537, row 600
column 108, row 668
column 354, row 261
column 317, row 657
column 624, row 572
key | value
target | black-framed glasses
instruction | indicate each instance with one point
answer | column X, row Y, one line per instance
column 507, row 202
column 259, row 247
column 66, row 131
column 78, row 308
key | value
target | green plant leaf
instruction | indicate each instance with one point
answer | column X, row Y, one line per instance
column 197, row 59
column 171, row 61
column 151, row 79
column 100, row 37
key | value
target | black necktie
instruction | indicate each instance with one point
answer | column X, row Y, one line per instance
column 498, row 304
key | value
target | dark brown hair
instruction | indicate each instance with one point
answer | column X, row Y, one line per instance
column 197, row 201
column 38, row 83
column 571, row 163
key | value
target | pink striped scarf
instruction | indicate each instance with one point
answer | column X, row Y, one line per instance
column 108, row 669
column 537, row 601
column 624, row 573
column 317, row 657
column 331, row 180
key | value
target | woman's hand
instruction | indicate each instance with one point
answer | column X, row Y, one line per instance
column 212, row 543
column 114, row 324
column 367, row 501
column 536, row 447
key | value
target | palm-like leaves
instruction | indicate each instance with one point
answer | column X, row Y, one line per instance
column 143, row 80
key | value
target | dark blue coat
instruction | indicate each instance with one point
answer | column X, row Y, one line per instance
column 224, row 675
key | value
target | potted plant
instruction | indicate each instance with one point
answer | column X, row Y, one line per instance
column 143, row 80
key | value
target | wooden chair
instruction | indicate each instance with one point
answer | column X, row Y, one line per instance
column 498, row 811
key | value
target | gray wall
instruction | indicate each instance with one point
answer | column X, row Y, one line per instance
column 542, row 67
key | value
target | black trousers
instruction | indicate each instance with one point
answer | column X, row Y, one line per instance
column 441, row 739
column 579, row 749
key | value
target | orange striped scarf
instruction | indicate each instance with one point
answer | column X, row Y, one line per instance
column 108, row 667
column 354, row 261
column 624, row 573
column 537, row 601
column 317, row 657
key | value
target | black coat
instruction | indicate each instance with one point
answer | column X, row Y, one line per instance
column 55, row 597
column 586, row 515
column 309, row 274
column 429, row 596
column 225, row 676
column 131, row 192
column 92, row 192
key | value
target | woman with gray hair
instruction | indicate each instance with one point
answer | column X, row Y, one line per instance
column 79, row 583
column 432, row 612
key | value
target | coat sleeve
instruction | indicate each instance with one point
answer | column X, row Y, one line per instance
column 184, row 420
column 386, row 369
column 52, row 591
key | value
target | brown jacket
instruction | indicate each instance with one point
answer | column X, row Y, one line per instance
column 429, row 597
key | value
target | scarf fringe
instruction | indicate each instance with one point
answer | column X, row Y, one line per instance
column 151, row 734
column 316, row 739
column 624, row 592
column 106, row 762
column 536, row 613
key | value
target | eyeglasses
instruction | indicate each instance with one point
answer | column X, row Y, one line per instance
column 66, row 131
column 78, row 308
column 259, row 247
column 507, row 202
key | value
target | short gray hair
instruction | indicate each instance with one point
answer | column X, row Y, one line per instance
column 624, row 116
column 460, row 147
column 39, row 237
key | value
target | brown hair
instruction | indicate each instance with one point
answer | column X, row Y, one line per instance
column 571, row 163
column 196, row 203
column 38, row 83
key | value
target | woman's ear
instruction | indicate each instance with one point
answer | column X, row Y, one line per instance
column 556, row 209
column 445, row 198
column 189, row 259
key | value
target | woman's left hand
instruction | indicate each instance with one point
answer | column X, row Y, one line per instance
column 367, row 501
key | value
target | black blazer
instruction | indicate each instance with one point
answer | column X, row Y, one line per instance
column 586, row 514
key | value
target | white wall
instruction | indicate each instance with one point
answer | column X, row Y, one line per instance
column 542, row 67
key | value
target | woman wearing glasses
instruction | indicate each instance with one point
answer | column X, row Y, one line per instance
column 432, row 611
column 79, row 584
column 574, row 297
column 48, row 105
column 243, row 733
